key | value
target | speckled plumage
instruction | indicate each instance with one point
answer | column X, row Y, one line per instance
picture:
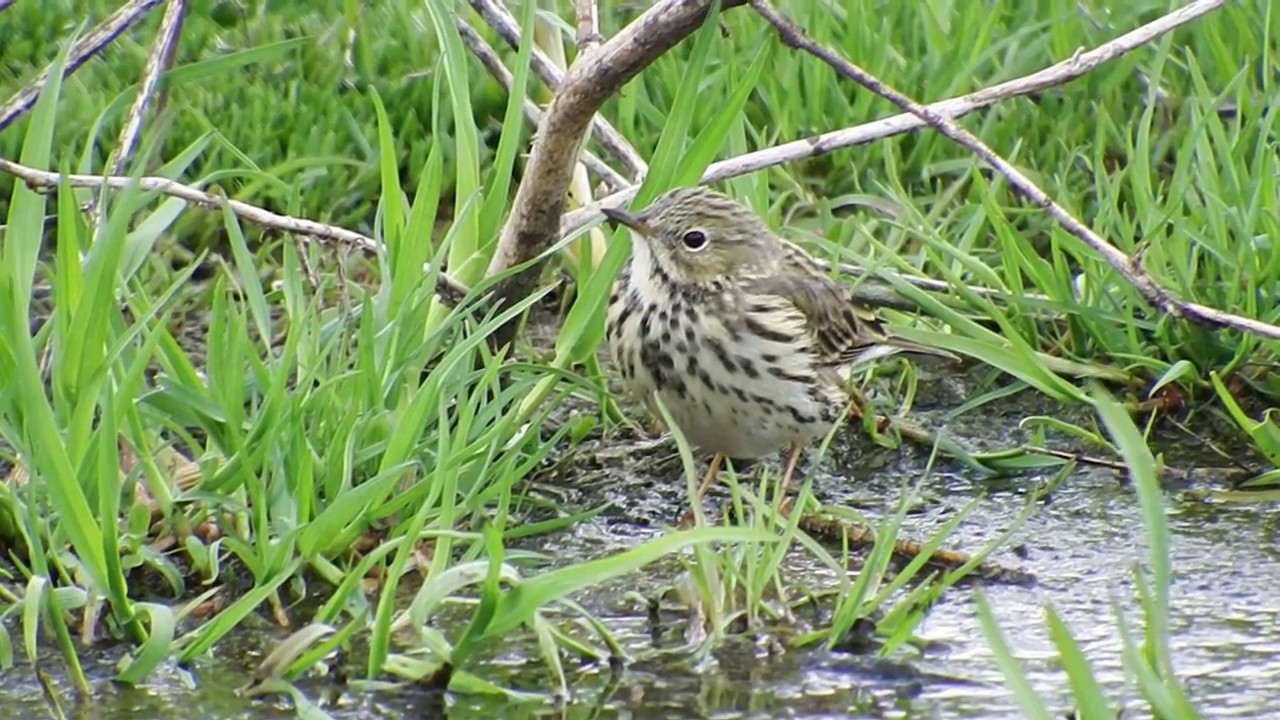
column 737, row 330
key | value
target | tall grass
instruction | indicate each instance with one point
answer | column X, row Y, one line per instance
column 348, row 435
column 312, row 428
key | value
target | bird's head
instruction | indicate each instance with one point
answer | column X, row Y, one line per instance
column 698, row 235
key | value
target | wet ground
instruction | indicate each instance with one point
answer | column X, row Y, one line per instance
column 1082, row 545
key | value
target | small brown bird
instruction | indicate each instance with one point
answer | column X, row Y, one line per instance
column 745, row 339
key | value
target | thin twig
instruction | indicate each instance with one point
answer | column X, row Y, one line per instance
column 491, row 62
column 588, row 17
column 158, row 62
column 924, row 283
column 449, row 289
column 612, row 141
column 841, row 530
column 1076, row 457
column 85, row 48
column 1237, row 462
column 1130, row 268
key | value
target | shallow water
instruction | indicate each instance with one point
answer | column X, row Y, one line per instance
column 1082, row 545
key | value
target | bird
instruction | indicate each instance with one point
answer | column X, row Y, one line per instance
column 744, row 338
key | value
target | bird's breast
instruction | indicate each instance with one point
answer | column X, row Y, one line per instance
column 736, row 378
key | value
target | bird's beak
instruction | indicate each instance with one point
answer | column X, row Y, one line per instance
column 626, row 219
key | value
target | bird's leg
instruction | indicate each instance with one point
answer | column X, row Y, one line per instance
column 713, row 469
column 792, row 460
column 858, row 408
column 857, row 405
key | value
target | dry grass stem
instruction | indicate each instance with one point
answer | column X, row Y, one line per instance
column 588, row 16
column 158, row 62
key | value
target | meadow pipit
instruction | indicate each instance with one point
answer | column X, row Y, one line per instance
column 740, row 333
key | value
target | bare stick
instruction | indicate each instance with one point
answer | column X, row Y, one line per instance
column 833, row 528
column 449, row 289
column 491, row 62
column 89, row 45
column 497, row 17
column 1054, row 75
column 612, row 141
column 534, row 223
column 588, row 26
column 1129, row 268
column 158, row 61
column 880, row 296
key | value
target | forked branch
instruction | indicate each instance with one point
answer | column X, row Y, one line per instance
column 1061, row 73
column 534, row 223
column 1130, row 268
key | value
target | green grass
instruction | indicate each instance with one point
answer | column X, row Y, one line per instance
column 368, row 414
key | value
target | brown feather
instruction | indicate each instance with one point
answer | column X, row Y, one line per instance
column 843, row 331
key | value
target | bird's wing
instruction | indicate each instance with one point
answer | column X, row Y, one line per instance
column 843, row 332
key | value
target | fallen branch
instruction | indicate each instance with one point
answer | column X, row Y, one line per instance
column 1130, row 268
column 839, row 530
column 491, row 62
column 449, row 289
column 612, row 141
column 1055, row 75
column 534, row 222
column 86, row 47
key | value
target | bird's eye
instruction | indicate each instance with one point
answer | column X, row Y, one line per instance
column 695, row 239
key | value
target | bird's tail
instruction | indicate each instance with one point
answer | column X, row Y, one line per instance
column 892, row 345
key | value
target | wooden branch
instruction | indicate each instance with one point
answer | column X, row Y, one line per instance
column 612, row 141
column 1130, row 268
column 86, row 47
column 588, row 17
column 534, row 223
column 450, row 290
column 491, row 62
column 160, row 59
column 839, row 530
